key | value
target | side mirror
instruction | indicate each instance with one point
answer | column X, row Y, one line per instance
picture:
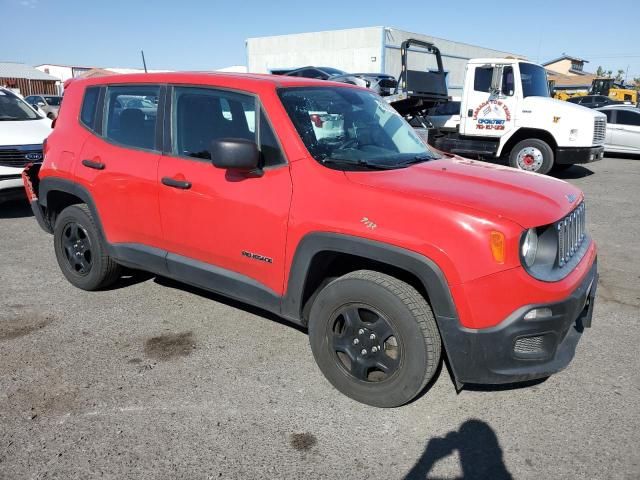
column 496, row 79
column 236, row 154
column 41, row 104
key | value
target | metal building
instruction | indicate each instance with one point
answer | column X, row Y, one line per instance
column 361, row 50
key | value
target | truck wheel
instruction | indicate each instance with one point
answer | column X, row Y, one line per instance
column 533, row 155
column 375, row 338
column 80, row 251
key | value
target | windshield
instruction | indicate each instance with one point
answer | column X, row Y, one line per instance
column 534, row 80
column 13, row 108
column 53, row 101
column 349, row 128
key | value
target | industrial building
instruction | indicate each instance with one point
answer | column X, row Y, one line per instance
column 361, row 50
column 26, row 80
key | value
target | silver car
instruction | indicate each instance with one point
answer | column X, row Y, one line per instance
column 46, row 104
column 623, row 129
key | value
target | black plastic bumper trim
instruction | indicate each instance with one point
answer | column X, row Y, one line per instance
column 572, row 155
column 488, row 356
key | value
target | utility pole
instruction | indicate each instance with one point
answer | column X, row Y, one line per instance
column 144, row 63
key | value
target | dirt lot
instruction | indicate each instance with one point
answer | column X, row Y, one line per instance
column 156, row 380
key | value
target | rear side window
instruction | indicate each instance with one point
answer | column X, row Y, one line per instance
column 131, row 115
column 89, row 105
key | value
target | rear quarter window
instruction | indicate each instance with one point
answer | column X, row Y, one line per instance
column 89, row 106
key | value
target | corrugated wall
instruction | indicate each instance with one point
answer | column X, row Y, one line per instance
column 30, row 87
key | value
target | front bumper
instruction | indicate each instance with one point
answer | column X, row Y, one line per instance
column 517, row 349
column 571, row 155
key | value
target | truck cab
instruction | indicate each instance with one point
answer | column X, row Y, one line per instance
column 506, row 112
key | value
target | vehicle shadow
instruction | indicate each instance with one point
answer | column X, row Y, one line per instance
column 15, row 209
column 622, row 156
column 479, row 450
column 167, row 282
column 131, row 277
column 571, row 173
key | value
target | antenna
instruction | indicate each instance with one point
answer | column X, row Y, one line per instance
column 144, row 63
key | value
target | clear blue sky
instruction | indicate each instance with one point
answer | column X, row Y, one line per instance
column 202, row 35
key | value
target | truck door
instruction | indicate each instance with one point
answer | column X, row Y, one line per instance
column 489, row 100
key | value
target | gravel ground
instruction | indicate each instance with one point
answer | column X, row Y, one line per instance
column 156, row 380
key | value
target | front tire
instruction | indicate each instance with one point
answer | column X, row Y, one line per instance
column 532, row 155
column 375, row 338
column 80, row 252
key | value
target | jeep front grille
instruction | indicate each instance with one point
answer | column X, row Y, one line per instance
column 599, row 131
column 571, row 233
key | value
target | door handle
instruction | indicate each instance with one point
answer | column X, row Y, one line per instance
column 94, row 165
column 172, row 182
column 470, row 113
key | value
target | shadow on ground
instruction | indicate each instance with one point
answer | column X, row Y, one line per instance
column 477, row 446
column 571, row 173
column 15, row 209
column 167, row 282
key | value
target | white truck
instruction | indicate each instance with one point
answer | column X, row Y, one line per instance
column 505, row 113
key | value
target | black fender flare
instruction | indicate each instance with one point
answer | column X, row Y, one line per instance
column 422, row 267
column 53, row 184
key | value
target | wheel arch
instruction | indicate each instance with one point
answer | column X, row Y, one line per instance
column 321, row 256
column 525, row 133
column 56, row 194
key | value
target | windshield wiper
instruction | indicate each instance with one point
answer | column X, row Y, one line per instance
column 419, row 159
column 359, row 163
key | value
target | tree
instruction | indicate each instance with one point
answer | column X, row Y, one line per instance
column 619, row 76
column 601, row 72
column 636, row 83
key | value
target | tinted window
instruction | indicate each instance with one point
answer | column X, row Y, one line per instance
column 201, row 115
column 482, row 79
column 575, row 100
column 508, row 83
column 53, row 101
column 628, row 117
column 271, row 153
column 131, row 115
column 89, row 103
column 447, row 108
column 609, row 114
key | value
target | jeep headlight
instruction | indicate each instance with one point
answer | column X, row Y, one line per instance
column 530, row 247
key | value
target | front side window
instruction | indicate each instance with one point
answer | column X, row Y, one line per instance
column 628, row 117
column 131, row 115
column 14, row 109
column 534, row 80
column 201, row 115
column 482, row 79
column 348, row 128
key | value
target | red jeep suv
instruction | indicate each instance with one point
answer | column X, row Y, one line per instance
column 318, row 202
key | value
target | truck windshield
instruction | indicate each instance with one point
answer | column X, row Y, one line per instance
column 347, row 128
column 13, row 108
column 534, row 80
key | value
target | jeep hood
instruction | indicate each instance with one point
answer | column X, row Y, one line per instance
column 526, row 198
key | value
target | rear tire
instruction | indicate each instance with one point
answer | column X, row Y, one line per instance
column 375, row 338
column 532, row 155
column 80, row 251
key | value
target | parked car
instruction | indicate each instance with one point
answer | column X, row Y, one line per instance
column 593, row 101
column 22, row 131
column 385, row 250
column 623, row 129
column 381, row 83
column 48, row 104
